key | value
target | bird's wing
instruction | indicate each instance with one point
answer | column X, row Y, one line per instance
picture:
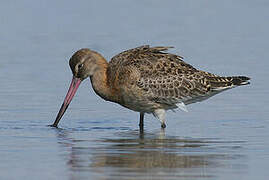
column 177, row 88
column 142, row 58
column 162, row 77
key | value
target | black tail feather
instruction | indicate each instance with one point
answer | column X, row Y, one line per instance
column 240, row 80
column 228, row 82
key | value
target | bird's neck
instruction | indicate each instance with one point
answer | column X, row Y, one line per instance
column 99, row 81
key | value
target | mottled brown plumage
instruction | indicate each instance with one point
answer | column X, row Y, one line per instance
column 162, row 79
column 149, row 80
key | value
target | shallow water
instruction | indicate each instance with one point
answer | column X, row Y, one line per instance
column 225, row 137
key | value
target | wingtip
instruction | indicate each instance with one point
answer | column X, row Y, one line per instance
column 241, row 80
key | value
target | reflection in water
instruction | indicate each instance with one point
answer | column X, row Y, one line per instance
column 134, row 155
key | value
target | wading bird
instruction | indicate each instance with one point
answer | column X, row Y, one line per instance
column 146, row 80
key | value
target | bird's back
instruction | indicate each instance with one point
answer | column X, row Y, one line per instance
column 147, row 78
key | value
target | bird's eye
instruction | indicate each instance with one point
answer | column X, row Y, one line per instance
column 80, row 66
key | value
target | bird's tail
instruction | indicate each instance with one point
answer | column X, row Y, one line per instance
column 221, row 83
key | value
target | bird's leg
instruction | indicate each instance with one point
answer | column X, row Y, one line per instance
column 141, row 122
column 160, row 114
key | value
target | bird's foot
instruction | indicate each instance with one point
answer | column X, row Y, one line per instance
column 163, row 125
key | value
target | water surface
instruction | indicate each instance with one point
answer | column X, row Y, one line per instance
column 225, row 137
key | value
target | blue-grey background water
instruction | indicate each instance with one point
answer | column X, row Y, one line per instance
column 225, row 137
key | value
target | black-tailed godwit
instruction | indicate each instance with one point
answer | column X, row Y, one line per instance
column 146, row 80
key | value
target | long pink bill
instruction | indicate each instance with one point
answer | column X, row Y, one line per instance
column 68, row 98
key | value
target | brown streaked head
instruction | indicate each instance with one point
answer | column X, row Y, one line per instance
column 84, row 63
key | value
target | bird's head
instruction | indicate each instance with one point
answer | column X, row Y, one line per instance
column 84, row 63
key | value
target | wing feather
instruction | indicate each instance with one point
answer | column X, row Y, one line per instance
column 158, row 76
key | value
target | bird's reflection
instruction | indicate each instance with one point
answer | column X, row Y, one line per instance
column 133, row 152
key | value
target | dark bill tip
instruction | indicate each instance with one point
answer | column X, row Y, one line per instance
column 60, row 114
column 53, row 125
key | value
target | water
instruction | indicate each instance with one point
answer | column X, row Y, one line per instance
column 225, row 137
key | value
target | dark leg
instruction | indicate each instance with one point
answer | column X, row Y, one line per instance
column 141, row 122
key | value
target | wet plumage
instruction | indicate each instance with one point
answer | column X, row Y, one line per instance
column 149, row 80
